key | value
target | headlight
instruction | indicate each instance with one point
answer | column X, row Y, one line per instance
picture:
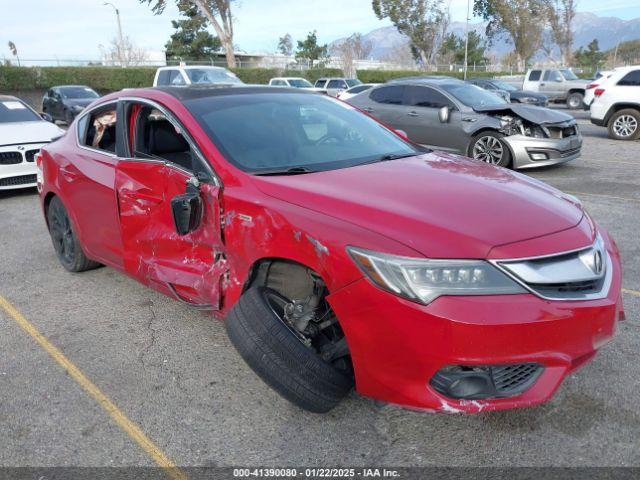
column 423, row 280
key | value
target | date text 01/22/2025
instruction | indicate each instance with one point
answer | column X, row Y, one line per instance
column 316, row 473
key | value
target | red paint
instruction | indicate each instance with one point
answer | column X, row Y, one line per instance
column 435, row 205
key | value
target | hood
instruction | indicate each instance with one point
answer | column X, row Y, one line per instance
column 28, row 132
column 83, row 102
column 441, row 205
column 530, row 113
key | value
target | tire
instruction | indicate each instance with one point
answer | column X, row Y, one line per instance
column 574, row 100
column 280, row 358
column 625, row 124
column 483, row 147
column 65, row 241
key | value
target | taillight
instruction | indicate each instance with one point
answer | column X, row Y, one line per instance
column 598, row 92
column 591, row 85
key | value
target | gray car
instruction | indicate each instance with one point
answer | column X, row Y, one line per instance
column 451, row 115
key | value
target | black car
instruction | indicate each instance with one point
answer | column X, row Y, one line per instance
column 64, row 102
column 516, row 95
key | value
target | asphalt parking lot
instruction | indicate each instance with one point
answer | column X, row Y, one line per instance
column 174, row 374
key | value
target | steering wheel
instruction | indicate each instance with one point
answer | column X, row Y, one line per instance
column 326, row 138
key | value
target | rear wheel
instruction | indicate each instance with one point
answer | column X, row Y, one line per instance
column 295, row 345
column 65, row 242
column 489, row 147
column 574, row 100
column 625, row 125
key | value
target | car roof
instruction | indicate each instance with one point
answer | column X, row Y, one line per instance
column 426, row 80
column 187, row 67
column 203, row 91
column 71, row 86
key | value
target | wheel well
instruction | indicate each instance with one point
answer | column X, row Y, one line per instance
column 290, row 278
column 619, row 106
column 576, row 90
column 47, row 201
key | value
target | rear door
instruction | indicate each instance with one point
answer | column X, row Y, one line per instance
column 162, row 159
column 385, row 104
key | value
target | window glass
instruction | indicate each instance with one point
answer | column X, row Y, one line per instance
column 296, row 130
column 163, row 77
column 175, row 78
column 471, row 95
column 631, row 79
column 299, row 83
column 101, row 129
column 16, row 111
column 320, row 83
column 390, row 95
column 556, row 76
column 156, row 137
column 206, row 76
column 425, row 97
column 534, row 76
column 352, row 82
column 568, row 74
column 547, row 75
column 78, row 92
column 336, row 84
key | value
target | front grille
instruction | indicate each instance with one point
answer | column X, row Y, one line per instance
column 10, row 158
column 513, row 379
column 31, row 154
column 19, row 180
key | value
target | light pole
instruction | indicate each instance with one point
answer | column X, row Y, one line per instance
column 120, row 37
column 466, row 41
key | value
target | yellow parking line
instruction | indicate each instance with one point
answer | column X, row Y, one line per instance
column 629, row 199
column 114, row 412
column 631, row 292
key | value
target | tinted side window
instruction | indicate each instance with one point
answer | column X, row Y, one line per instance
column 358, row 89
column 534, row 76
column 631, row 79
column 163, row 77
column 320, row 83
column 547, row 75
column 426, row 97
column 175, row 78
column 100, row 132
column 390, row 95
column 336, row 84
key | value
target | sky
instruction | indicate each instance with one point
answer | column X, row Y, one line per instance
column 75, row 29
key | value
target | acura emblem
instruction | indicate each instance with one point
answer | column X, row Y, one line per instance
column 597, row 262
column 594, row 260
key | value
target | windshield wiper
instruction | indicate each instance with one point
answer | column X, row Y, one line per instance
column 390, row 156
column 289, row 171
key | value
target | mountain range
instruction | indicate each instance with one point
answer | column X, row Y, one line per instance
column 586, row 26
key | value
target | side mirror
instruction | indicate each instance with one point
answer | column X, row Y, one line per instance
column 443, row 114
column 46, row 117
column 402, row 134
column 187, row 209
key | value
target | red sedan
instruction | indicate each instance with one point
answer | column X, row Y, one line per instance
column 338, row 253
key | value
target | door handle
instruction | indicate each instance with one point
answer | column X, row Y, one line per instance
column 412, row 114
column 469, row 119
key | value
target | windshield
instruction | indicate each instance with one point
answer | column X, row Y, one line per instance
column 352, row 82
column 273, row 132
column 472, row 96
column 16, row 111
column 211, row 75
column 299, row 83
column 504, row 85
column 568, row 74
column 78, row 92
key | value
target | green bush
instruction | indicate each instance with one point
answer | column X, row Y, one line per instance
column 108, row 79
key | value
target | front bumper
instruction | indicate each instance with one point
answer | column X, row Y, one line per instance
column 397, row 346
column 556, row 150
column 22, row 174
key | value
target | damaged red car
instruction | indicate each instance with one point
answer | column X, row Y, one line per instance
column 337, row 253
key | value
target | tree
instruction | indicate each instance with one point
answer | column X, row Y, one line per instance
column 624, row 53
column 350, row 49
column 218, row 12
column 191, row 40
column 14, row 51
column 285, row 45
column 308, row 49
column 561, row 14
column 592, row 57
column 522, row 20
column 424, row 22
column 452, row 49
column 124, row 53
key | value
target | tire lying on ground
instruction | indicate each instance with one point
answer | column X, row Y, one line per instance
column 278, row 356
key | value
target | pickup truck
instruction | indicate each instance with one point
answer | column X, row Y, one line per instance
column 558, row 84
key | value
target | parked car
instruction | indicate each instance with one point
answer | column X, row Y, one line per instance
column 353, row 91
column 194, row 75
column 513, row 94
column 558, row 84
column 294, row 82
column 617, row 104
column 22, row 133
column 64, row 102
column 323, row 239
column 451, row 115
column 334, row 85
column 591, row 87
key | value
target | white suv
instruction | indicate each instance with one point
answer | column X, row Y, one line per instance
column 194, row 75
column 617, row 104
